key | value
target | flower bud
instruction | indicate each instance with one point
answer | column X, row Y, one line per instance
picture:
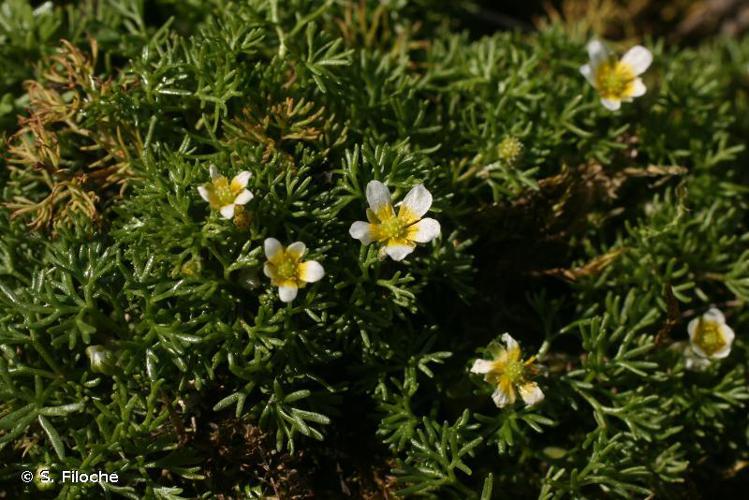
column 43, row 479
column 249, row 278
column 101, row 359
column 192, row 268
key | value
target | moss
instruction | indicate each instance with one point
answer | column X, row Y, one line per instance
column 592, row 237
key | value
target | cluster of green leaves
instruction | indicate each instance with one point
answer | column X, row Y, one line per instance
column 646, row 210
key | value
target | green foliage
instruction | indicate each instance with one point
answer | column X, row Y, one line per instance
column 592, row 237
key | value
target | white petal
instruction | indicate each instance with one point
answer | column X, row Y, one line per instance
column 311, row 271
column 214, row 172
column 417, row 202
column 638, row 88
column 698, row 351
column 510, row 342
column 43, row 9
column 692, row 328
column 481, row 366
column 268, row 270
column 531, row 393
column 638, row 58
column 243, row 197
column 722, row 353
column 242, row 178
column 424, row 231
column 398, row 252
column 287, row 293
column 204, row 193
column 378, row 195
column 272, row 247
column 587, row 72
column 227, row 211
column 613, row 105
column 296, row 249
column 694, row 362
column 500, row 398
column 728, row 336
column 361, row 231
column 597, row 52
column 714, row 314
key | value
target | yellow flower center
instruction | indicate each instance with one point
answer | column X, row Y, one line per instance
column 709, row 337
column 514, row 371
column 615, row 80
column 222, row 191
column 286, row 269
column 392, row 228
column 506, row 371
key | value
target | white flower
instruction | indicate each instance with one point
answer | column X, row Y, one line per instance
column 398, row 233
column 43, row 9
column 709, row 335
column 506, row 372
column 694, row 362
column 616, row 81
column 286, row 269
column 223, row 195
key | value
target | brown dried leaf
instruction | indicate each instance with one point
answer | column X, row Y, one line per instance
column 100, row 158
column 591, row 268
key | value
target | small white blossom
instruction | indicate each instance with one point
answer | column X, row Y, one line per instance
column 286, row 269
column 398, row 233
column 506, row 372
column 223, row 195
column 709, row 337
column 693, row 361
column 616, row 80
column 43, row 9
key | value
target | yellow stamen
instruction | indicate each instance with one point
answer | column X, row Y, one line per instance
column 505, row 369
column 709, row 337
column 393, row 228
column 221, row 191
column 514, row 371
column 615, row 80
column 286, row 268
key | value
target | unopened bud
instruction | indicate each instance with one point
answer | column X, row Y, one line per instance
column 249, row 278
column 192, row 268
column 43, row 479
column 101, row 359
